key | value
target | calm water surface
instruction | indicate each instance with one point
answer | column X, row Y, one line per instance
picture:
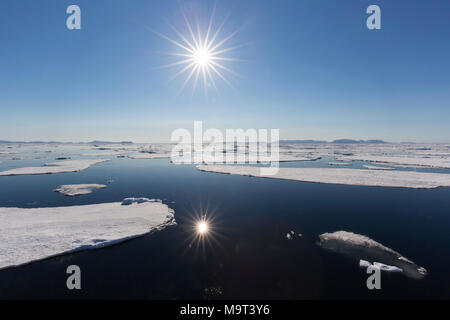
column 249, row 256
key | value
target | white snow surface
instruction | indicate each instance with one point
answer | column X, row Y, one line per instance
column 379, row 178
column 413, row 161
column 149, row 156
column 381, row 266
column 55, row 167
column 73, row 190
column 376, row 167
column 28, row 235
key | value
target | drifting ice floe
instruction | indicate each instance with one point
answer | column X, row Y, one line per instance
column 339, row 164
column 33, row 234
column 405, row 161
column 376, row 178
column 294, row 157
column 56, row 167
column 376, row 167
column 149, row 156
column 102, row 154
column 360, row 247
column 73, row 190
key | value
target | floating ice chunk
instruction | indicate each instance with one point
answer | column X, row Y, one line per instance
column 339, row 164
column 130, row 201
column 376, row 167
column 291, row 234
column 288, row 157
column 56, row 167
column 364, row 264
column 149, row 156
column 440, row 162
column 363, row 248
column 376, row 178
column 103, row 154
column 7, row 153
column 73, row 190
column 33, row 234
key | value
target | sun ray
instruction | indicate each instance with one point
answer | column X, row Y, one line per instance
column 196, row 78
column 221, row 43
column 188, row 24
column 174, row 64
column 211, row 78
column 226, row 59
column 205, row 84
column 225, row 68
column 188, row 78
column 211, row 19
column 171, row 40
column 182, row 37
column 179, row 73
column 221, row 76
column 227, row 50
column 216, row 34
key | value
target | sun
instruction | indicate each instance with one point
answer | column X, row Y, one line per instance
column 202, row 227
column 201, row 55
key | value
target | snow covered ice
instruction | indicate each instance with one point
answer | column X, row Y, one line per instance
column 73, row 190
column 360, row 247
column 55, row 167
column 33, row 234
column 377, row 178
column 381, row 266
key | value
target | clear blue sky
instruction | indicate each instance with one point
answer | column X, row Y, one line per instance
column 311, row 69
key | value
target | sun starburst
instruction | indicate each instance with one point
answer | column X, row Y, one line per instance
column 202, row 54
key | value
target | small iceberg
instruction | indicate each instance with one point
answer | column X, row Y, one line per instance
column 364, row 249
column 377, row 167
column 73, row 190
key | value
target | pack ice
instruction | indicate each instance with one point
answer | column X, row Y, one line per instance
column 55, row 167
column 28, row 235
column 361, row 177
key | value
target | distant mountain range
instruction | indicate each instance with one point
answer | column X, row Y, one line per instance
column 347, row 141
column 342, row 141
column 58, row 142
column 358, row 141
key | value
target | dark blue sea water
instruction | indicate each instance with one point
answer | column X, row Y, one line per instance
column 249, row 255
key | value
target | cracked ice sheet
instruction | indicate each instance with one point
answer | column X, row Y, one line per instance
column 361, row 177
column 28, row 235
column 55, row 167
